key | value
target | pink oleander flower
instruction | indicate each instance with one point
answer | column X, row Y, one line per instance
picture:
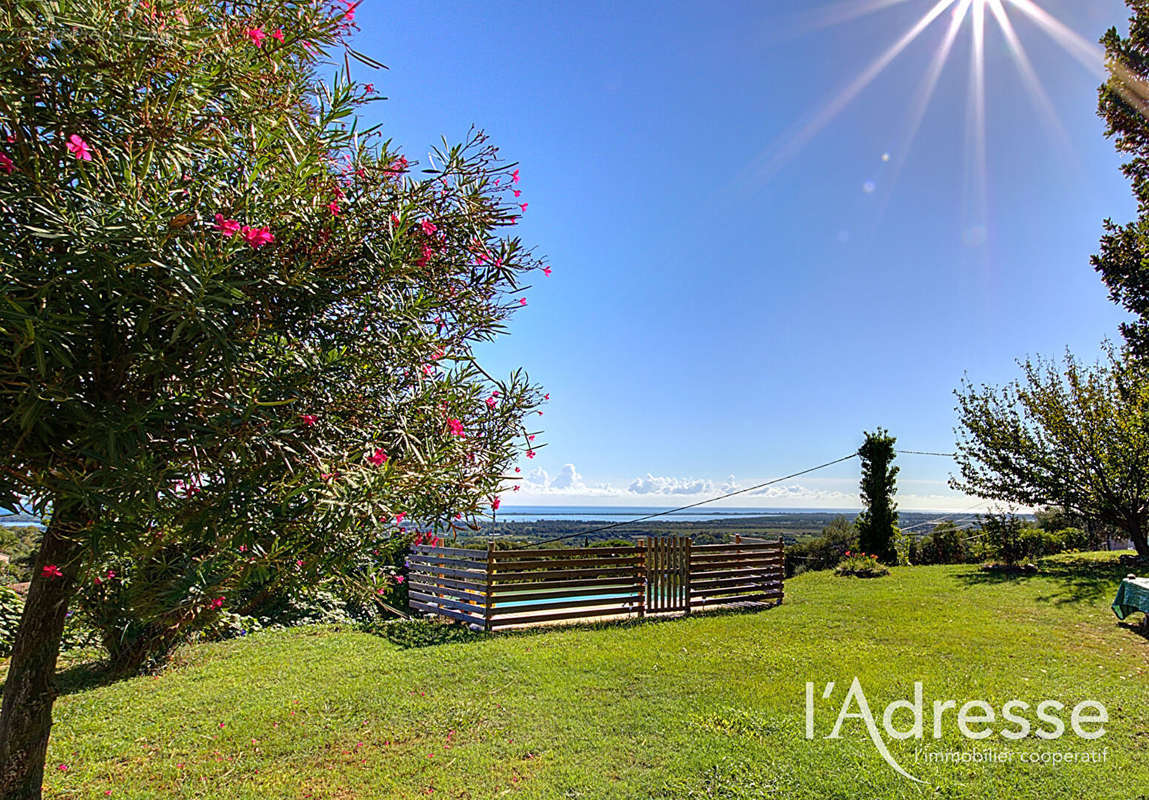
column 495, row 503
column 517, row 192
column 51, row 571
column 517, row 469
column 546, row 396
column 309, row 419
column 531, row 438
column 400, row 579
column 79, row 148
column 492, row 402
column 299, row 562
column 400, row 517
column 369, row 88
column 531, row 454
column 7, row 164
column 228, row 227
column 515, row 176
column 522, row 301
column 256, row 35
column 514, row 488
column 333, row 207
column 547, row 271
column 400, row 164
column 257, row 237
column 215, row 604
column 523, row 206
column 455, row 426
column 428, row 227
column 277, row 34
column 378, row 458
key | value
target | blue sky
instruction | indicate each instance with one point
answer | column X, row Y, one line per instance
column 712, row 324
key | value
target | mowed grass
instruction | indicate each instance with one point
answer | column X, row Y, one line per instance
column 707, row 707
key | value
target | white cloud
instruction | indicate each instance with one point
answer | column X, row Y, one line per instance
column 570, row 487
column 652, row 484
column 568, row 479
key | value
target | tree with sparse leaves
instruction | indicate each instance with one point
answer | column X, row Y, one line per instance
column 1074, row 436
column 237, row 325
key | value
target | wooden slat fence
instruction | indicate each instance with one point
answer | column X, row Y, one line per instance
column 668, row 575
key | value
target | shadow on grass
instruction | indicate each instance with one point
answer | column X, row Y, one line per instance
column 1079, row 579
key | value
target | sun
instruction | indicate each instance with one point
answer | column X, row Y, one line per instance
column 961, row 18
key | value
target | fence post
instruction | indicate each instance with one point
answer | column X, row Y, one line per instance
column 490, row 587
column 686, row 571
column 640, row 577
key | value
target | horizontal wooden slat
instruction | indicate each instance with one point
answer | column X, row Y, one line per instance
column 588, row 602
column 748, row 598
column 574, row 591
column 732, row 558
column 503, row 577
column 555, row 616
column 457, row 563
column 464, row 552
column 436, row 580
column 722, row 572
column 588, row 583
column 447, row 572
column 511, row 555
column 734, row 580
column 557, row 563
column 446, row 612
column 477, row 597
column 748, row 546
column 720, row 566
column 756, row 588
column 715, row 595
column 446, row 602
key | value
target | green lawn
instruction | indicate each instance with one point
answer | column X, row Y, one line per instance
column 705, row 707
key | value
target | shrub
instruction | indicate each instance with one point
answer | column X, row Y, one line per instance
column 823, row 552
column 861, row 565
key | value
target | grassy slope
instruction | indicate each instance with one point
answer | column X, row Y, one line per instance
column 704, row 707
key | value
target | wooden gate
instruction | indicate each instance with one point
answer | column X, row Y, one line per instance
column 667, row 562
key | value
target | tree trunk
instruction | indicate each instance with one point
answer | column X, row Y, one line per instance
column 1137, row 534
column 26, row 715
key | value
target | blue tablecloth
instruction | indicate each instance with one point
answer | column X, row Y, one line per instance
column 1132, row 596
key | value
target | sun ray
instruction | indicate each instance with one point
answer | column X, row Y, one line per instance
column 1029, row 75
column 975, row 122
column 1090, row 55
column 841, row 12
column 790, row 145
column 924, row 95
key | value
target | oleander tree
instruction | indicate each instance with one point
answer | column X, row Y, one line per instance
column 1072, row 435
column 237, row 324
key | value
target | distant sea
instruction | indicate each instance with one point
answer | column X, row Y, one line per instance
column 613, row 513
column 622, row 513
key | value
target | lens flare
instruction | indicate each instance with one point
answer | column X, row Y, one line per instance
column 979, row 14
